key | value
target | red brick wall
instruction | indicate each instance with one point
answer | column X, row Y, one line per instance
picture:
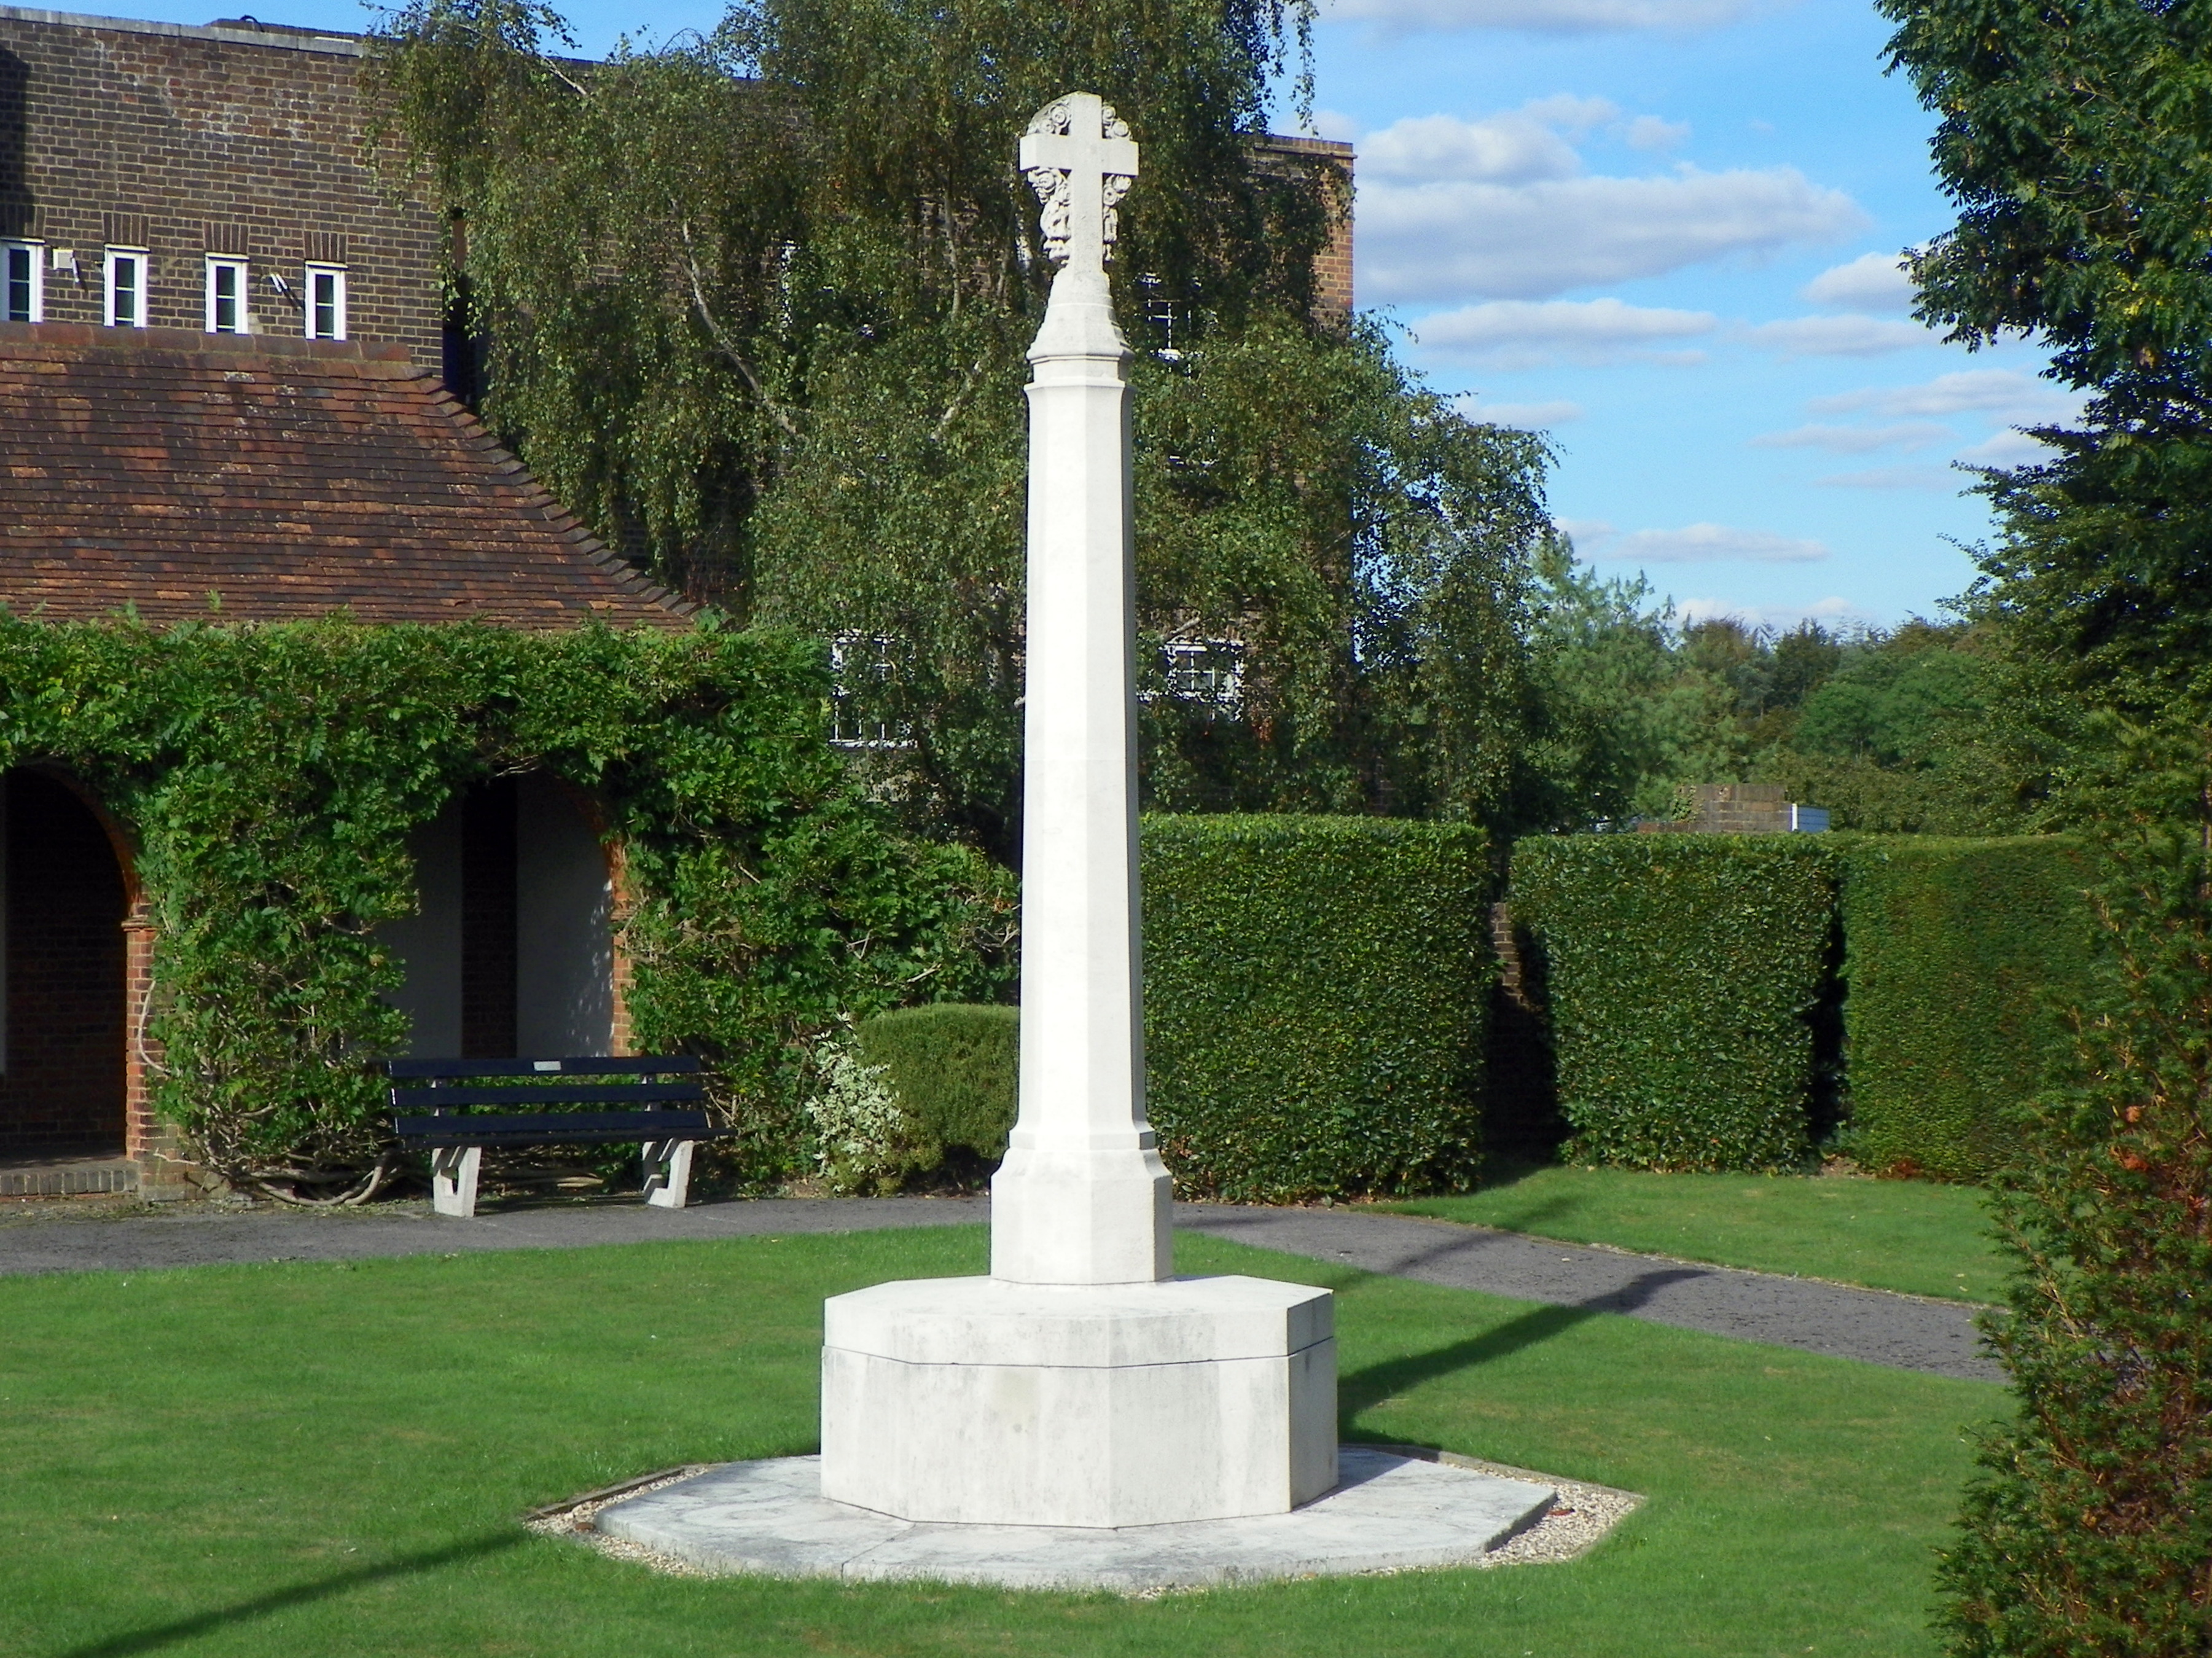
column 203, row 140
column 1332, row 271
column 64, row 1084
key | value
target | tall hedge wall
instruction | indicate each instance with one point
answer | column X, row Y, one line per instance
column 1314, row 1000
column 1685, row 975
column 1958, row 954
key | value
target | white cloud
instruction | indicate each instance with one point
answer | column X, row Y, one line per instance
column 1649, row 132
column 1898, row 478
column 1586, row 533
column 1516, row 334
column 1840, row 336
column 1857, row 439
column 2007, row 449
column 2003, row 394
column 1335, row 123
column 1698, row 543
column 1872, row 282
column 1548, row 16
column 1832, row 611
column 1456, row 239
column 1514, row 148
column 1528, row 417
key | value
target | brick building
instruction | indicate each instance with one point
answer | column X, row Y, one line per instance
column 209, row 179
column 264, row 479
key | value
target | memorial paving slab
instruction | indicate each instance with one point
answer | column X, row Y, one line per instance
column 1875, row 1326
column 1387, row 1513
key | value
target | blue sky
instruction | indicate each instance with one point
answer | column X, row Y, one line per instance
column 1664, row 232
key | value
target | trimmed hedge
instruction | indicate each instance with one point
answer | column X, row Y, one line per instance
column 1959, row 954
column 954, row 1067
column 1315, row 996
column 1687, row 975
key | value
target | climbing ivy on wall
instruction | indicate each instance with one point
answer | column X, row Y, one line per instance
column 270, row 775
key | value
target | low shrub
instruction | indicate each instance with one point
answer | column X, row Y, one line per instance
column 953, row 1068
column 1315, row 996
column 1957, row 955
column 1686, row 975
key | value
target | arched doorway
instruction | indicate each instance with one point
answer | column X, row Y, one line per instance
column 512, row 952
column 63, row 1016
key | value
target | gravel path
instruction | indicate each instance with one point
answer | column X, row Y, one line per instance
column 1903, row 1332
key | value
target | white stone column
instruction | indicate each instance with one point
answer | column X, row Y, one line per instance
column 1080, row 1384
column 1082, row 1197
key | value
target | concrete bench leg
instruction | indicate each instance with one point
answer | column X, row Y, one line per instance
column 454, row 1179
column 668, row 1173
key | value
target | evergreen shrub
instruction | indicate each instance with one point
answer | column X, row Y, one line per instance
column 954, row 1067
column 1315, row 996
column 2088, row 1527
column 1685, row 977
column 270, row 777
column 1959, row 955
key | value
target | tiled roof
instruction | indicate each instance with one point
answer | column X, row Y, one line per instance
column 153, row 467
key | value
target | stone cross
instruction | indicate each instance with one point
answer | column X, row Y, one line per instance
column 1079, row 157
column 1082, row 1197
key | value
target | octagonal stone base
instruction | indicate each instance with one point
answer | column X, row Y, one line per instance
column 983, row 1402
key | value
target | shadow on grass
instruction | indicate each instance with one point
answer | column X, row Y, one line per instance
column 1361, row 1388
column 300, row 1594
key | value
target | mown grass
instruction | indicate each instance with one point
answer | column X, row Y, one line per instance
column 1915, row 1236
column 307, row 1458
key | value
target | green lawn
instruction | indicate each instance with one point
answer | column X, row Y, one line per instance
column 1913, row 1236
column 309, row 1459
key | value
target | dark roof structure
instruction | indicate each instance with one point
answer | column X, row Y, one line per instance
column 287, row 479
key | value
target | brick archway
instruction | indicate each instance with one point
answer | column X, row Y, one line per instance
column 74, row 948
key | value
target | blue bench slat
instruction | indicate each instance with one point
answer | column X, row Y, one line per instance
column 555, row 1128
column 634, row 1064
column 431, row 1099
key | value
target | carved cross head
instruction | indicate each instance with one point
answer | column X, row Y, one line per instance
column 1079, row 157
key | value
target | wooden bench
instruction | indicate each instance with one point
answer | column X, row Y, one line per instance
column 440, row 1115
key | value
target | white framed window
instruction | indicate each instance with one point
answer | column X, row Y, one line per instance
column 22, row 282
column 323, row 299
column 861, row 665
column 1207, row 672
column 128, row 269
column 228, row 292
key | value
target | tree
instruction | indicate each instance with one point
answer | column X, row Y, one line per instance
column 2088, row 1530
column 2072, row 139
column 759, row 306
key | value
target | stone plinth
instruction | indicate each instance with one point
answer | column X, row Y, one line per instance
column 982, row 1402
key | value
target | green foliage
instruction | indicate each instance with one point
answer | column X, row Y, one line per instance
column 1622, row 717
column 1315, row 996
column 1960, row 957
column 1895, row 732
column 2071, row 140
column 954, row 1068
column 774, row 329
column 1686, row 974
column 863, row 1141
column 270, row 775
column 2088, row 1527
